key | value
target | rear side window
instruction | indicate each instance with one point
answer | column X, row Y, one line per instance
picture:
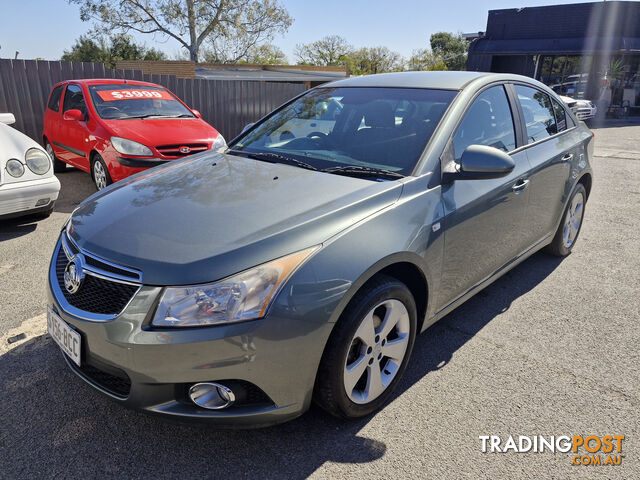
column 538, row 113
column 487, row 122
column 561, row 116
column 73, row 99
column 54, row 99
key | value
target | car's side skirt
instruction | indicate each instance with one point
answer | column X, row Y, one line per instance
column 473, row 290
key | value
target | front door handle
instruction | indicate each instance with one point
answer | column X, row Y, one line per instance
column 520, row 185
column 567, row 157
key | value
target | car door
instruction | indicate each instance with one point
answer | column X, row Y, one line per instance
column 550, row 150
column 73, row 134
column 484, row 219
column 53, row 117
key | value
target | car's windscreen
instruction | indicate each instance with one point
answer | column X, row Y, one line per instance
column 339, row 128
column 127, row 101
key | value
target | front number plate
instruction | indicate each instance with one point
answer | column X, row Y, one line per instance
column 67, row 338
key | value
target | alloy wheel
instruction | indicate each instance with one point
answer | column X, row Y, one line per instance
column 573, row 220
column 377, row 351
column 99, row 175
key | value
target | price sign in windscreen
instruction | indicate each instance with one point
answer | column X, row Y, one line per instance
column 130, row 94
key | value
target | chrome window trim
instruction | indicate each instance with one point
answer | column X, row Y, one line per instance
column 62, row 301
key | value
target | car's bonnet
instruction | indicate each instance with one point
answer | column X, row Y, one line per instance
column 162, row 131
column 209, row 216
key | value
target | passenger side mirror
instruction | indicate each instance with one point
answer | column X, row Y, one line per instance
column 73, row 114
column 480, row 162
column 196, row 113
column 247, row 127
column 7, row 118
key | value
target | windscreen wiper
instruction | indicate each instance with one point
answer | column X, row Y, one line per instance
column 362, row 171
column 272, row 157
column 152, row 115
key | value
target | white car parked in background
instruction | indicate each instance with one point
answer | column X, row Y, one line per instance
column 27, row 183
column 583, row 109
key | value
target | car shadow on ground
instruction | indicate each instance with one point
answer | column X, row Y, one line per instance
column 55, row 424
column 75, row 186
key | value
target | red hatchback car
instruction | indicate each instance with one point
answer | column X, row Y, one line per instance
column 114, row 128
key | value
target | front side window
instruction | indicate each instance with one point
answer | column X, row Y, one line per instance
column 381, row 128
column 538, row 113
column 128, row 101
column 54, row 99
column 488, row 121
column 74, row 99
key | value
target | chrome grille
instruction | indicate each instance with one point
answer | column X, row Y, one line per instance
column 174, row 150
column 105, row 291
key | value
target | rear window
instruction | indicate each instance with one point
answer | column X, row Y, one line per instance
column 538, row 113
column 128, row 101
column 54, row 99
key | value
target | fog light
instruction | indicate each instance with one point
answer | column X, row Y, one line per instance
column 42, row 201
column 211, row 396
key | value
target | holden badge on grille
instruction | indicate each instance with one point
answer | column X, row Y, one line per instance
column 73, row 274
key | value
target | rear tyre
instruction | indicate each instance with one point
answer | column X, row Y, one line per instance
column 100, row 173
column 58, row 165
column 368, row 350
column 569, row 228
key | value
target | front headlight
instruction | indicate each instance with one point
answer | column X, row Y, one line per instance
column 37, row 161
column 219, row 144
column 15, row 168
column 244, row 296
column 129, row 147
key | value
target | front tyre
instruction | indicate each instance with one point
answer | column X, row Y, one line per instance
column 100, row 173
column 368, row 350
column 569, row 228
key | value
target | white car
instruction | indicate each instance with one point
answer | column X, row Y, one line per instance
column 584, row 109
column 27, row 183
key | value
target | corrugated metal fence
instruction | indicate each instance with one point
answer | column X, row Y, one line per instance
column 228, row 105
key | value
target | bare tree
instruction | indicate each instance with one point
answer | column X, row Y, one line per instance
column 190, row 22
column 328, row 51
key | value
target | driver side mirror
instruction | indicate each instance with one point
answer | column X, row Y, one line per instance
column 480, row 162
column 73, row 114
column 196, row 113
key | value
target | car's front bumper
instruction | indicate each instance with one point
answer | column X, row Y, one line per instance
column 22, row 197
column 277, row 356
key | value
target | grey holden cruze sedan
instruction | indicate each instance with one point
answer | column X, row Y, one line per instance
column 299, row 266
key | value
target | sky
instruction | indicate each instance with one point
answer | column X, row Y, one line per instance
column 45, row 28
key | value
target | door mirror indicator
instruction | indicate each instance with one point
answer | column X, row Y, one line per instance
column 481, row 162
column 73, row 114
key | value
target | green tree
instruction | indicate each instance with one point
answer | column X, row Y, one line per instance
column 424, row 59
column 366, row 61
column 452, row 49
column 265, row 55
column 328, row 51
column 110, row 50
column 242, row 23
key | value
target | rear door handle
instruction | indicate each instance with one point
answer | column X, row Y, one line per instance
column 520, row 185
column 567, row 157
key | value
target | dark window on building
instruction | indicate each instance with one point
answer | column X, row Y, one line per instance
column 487, row 122
column 73, row 99
column 538, row 113
column 561, row 116
column 54, row 99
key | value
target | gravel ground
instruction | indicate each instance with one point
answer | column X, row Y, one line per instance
column 549, row 349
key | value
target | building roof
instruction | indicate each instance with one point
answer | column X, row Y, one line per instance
column 439, row 80
column 273, row 73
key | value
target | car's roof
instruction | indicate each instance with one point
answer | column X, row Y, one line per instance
column 442, row 80
column 109, row 81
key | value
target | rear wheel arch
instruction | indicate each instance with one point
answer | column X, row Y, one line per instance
column 586, row 180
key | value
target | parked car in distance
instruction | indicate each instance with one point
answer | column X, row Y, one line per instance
column 236, row 287
column 27, row 182
column 114, row 128
column 583, row 109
